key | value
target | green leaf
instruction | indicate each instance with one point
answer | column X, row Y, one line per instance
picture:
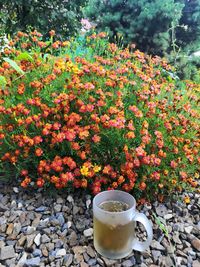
column 161, row 225
column 3, row 81
column 24, row 56
column 14, row 65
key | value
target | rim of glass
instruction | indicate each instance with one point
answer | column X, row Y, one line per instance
column 114, row 212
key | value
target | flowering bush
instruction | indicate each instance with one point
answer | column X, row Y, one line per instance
column 107, row 119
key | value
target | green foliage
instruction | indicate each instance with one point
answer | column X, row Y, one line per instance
column 62, row 16
column 24, row 56
column 188, row 37
column 14, row 65
column 145, row 22
column 2, row 81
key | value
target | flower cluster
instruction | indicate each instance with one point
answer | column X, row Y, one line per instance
column 115, row 120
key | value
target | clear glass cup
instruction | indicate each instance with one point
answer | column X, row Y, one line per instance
column 114, row 232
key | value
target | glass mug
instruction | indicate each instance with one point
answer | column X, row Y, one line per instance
column 114, row 232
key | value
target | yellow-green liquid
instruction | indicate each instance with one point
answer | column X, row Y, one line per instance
column 113, row 238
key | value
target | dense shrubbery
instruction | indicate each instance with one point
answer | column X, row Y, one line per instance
column 145, row 23
column 62, row 16
column 86, row 114
column 153, row 26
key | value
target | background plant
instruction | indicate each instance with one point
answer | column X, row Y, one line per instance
column 166, row 28
column 62, row 16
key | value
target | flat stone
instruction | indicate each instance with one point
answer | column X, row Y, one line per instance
column 168, row 216
column 88, row 232
column 156, row 254
column 61, row 252
column 10, row 229
column 79, row 249
column 70, row 199
column 33, row 262
column 127, row 263
column 176, row 238
column 196, row 243
column 73, row 239
column 30, row 239
column 188, row 229
column 165, row 261
column 156, row 245
column 45, row 252
column 50, row 246
column 108, row 262
column 3, row 207
column 91, row 262
column 22, row 260
column 196, row 263
column 36, row 222
column 21, row 241
column 57, row 207
column 7, row 252
column 60, row 200
column 41, row 209
column 161, row 210
column 67, row 261
column 45, row 239
column 61, row 219
column 10, row 262
column 37, row 253
column 30, row 230
column 75, row 210
column 86, row 257
column 17, row 228
column 37, row 239
column 90, row 251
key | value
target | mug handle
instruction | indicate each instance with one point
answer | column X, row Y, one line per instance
column 138, row 245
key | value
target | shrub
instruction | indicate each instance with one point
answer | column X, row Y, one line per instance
column 60, row 15
column 95, row 116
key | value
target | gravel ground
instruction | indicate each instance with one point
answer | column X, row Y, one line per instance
column 39, row 230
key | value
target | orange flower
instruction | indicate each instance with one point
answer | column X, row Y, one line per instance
column 142, row 186
column 40, row 182
column 38, row 152
column 96, row 138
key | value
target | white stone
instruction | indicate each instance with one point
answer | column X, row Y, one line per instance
column 70, row 199
column 168, row 216
column 188, row 229
column 37, row 239
column 88, row 202
column 19, row 205
column 88, row 232
column 22, row 260
column 69, row 224
column 15, row 189
column 61, row 252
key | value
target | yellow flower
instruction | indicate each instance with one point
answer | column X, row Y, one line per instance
column 196, row 175
column 187, row 199
column 96, row 168
column 84, row 171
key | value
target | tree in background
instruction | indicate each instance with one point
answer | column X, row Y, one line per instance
column 143, row 22
column 190, row 38
column 61, row 15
